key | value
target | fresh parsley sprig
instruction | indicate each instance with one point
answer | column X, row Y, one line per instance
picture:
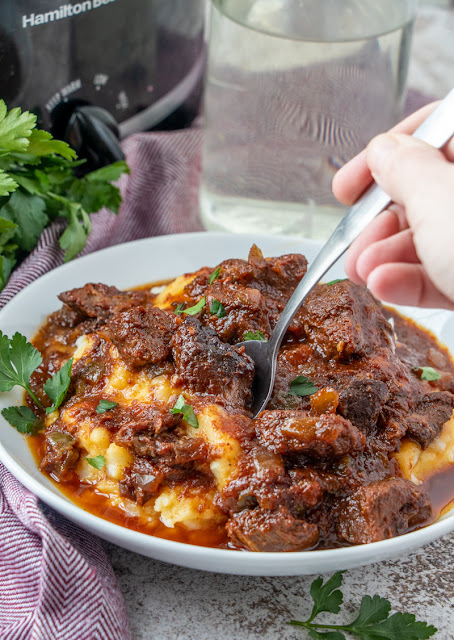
column 302, row 386
column 373, row 621
column 98, row 462
column 255, row 335
column 186, row 411
column 195, row 309
column 18, row 360
column 105, row 405
column 427, row 373
column 38, row 185
column 217, row 308
column 214, row 275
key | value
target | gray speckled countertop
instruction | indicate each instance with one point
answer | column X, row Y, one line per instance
column 166, row 602
column 171, row 603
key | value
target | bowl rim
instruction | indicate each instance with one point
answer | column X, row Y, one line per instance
column 141, row 542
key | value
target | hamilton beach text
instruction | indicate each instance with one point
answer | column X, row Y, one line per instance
column 64, row 11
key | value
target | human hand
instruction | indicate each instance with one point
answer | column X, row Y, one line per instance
column 406, row 255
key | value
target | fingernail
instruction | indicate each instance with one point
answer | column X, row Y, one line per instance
column 377, row 152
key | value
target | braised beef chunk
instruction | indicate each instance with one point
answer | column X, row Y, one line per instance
column 277, row 277
column 344, row 320
column 265, row 482
column 382, row 510
column 245, row 309
column 171, row 449
column 361, row 402
column 136, row 418
column 322, row 436
column 142, row 336
column 429, row 416
column 100, row 301
column 207, row 365
column 61, row 455
column 141, row 481
column 263, row 530
column 89, row 372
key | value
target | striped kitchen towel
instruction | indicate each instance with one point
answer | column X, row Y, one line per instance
column 55, row 579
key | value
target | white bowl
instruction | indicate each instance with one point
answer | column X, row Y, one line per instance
column 146, row 261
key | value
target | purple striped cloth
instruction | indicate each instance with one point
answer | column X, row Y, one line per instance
column 55, row 579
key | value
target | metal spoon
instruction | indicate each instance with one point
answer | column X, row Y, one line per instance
column 436, row 130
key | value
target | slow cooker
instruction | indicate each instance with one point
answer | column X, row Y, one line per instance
column 96, row 71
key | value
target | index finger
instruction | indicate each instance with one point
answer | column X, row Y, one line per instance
column 354, row 177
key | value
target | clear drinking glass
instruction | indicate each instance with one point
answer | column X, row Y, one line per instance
column 294, row 89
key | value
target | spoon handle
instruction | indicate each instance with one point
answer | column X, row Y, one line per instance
column 436, row 130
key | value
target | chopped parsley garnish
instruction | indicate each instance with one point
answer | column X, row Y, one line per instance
column 254, row 335
column 373, row 621
column 192, row 311
column 428, row 373
column 98, row 462
column 217, row 308
column 179, row 308
column 186, row 411
column 336, row 281
column 18, row 360
column 302, row 386
column 105, row 405
column 214, row 275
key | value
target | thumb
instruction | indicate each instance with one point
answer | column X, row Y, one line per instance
column 421, row 179
column 413, row 173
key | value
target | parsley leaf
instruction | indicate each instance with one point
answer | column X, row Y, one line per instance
column 7, row 231
column 76, row 233
column 98, row 462
column 214, row 275
column 217, row 308
column 57, row 386
column 372, row 610
column 22, row 418
column 108, row 174
column 399, row 626
column 41, row 143
column 187, row 412
column 373, row 621
column 331, row 282
column 326, row 597
column 179, row 308
column 7, row 184
column 427, row 373
column 18, row 360
column 15, row 128
column 28, row 213
column 302, row 386
column 254, row 335
column 6, row 266
column 192, row 311
column 105, row 405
